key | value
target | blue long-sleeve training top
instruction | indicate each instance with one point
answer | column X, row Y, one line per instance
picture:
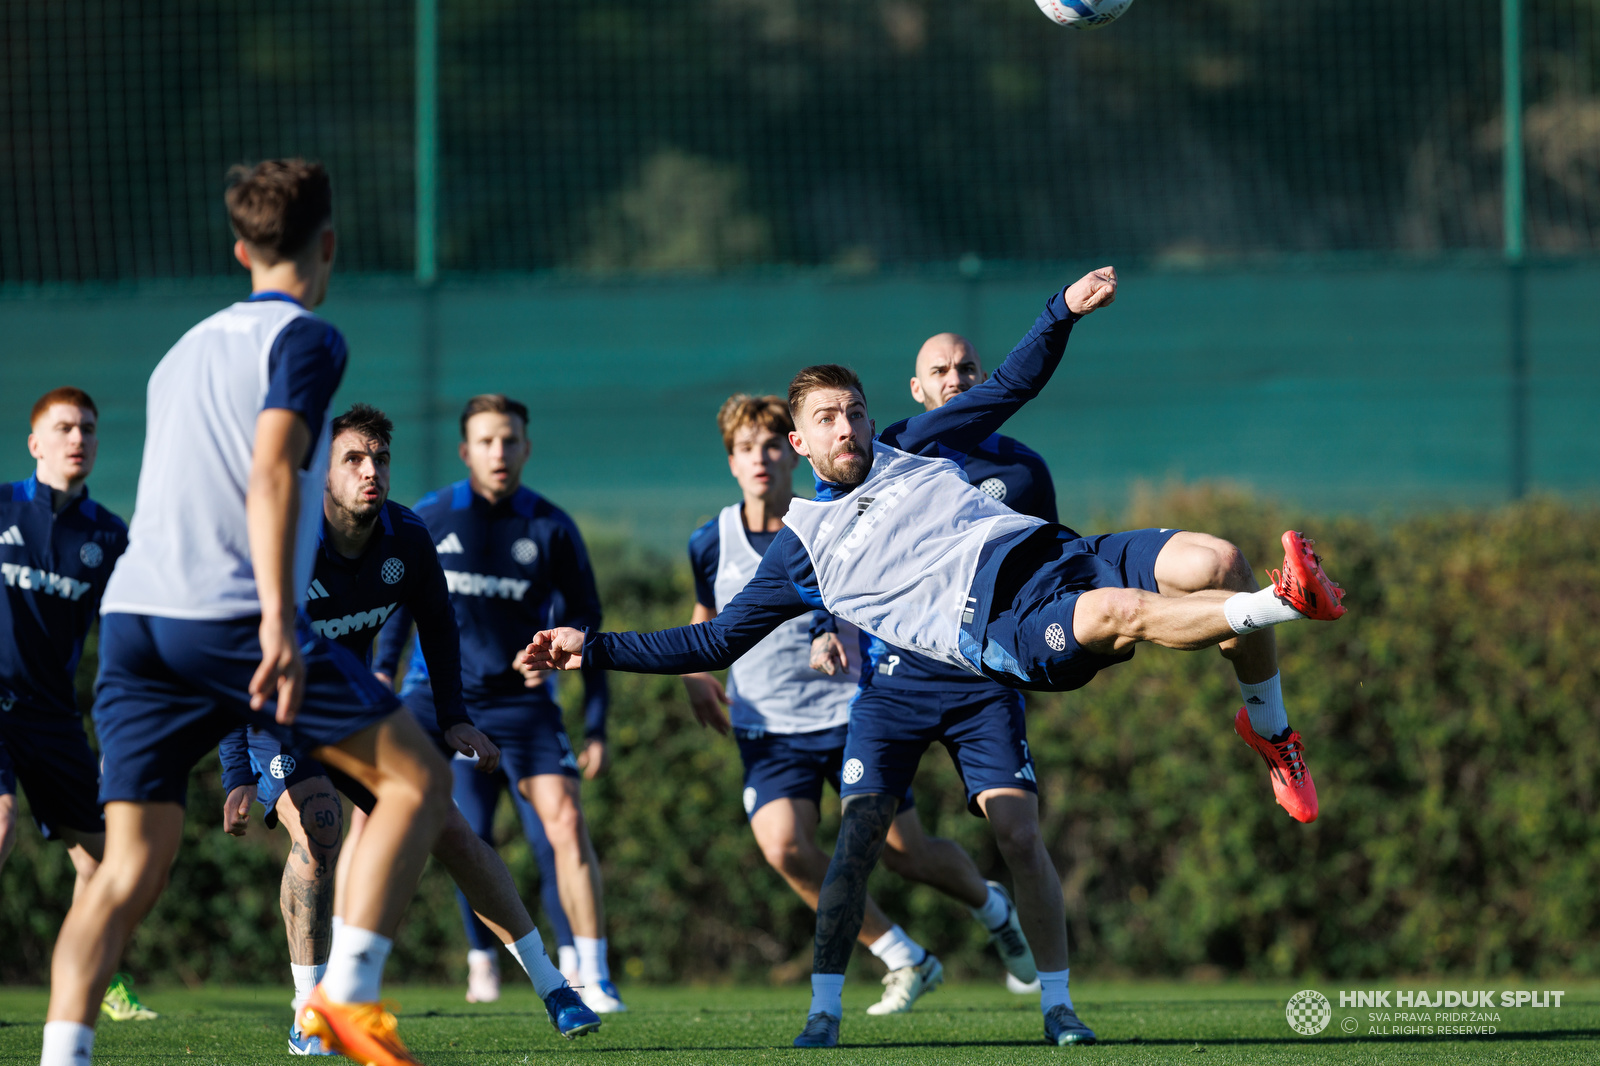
column 785, row 585
column 53, row 571
column 513, row 567
column 350, row 599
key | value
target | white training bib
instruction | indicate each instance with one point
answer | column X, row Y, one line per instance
column 189, row 543
column 772, row 687
column 897, row 556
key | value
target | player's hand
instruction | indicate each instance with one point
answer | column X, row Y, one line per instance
column 552, row 649
column 706, row 699
column 282, row 673
column 236, row 810
column 1093, row 291
column 594, row 759
column 532, row 676
column 828, row 654
column 465, row 738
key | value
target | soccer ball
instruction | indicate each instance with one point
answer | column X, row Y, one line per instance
column 1083, row 14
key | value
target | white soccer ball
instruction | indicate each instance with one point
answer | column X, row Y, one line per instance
column 1083, row 14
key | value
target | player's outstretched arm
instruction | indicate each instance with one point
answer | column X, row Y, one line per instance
column 272, row 506
column 968, row 419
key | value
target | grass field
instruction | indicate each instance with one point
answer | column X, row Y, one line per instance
column 1144, row 1022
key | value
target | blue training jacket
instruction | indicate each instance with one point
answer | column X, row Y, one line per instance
column 513, row 568
column 53, row 568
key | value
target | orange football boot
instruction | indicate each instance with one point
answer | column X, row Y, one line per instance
column 1302, row 584
column 362, row 1032
column 1285, row 756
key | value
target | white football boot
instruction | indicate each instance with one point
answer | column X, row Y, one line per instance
column 905, row 986
column 1015, row 955
column 483, row 978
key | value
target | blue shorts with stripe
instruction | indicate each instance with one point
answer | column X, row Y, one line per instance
column 1028, row 641
column 794, row 766
column 49, row 753
column 170, row 689
column 277, row 771
column 981, row 726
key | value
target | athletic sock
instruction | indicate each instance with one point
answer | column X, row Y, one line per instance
column 592, row 958
column 567, row 958
column 529, row 951
column 827, row 994
column 1053, row 989
column 1264, row 702
column 66, row 1044
column 995, row 910
column 355, row 965
column 1249, row 611
column 305, row 979
column 896, row 950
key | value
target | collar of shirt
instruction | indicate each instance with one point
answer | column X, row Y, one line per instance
column 273, row 294
column 38, row 493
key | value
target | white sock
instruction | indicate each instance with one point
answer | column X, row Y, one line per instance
column 305, row 979
column 1053, row 989
column 567, row 958
column 337, row 922
column 592, row 958
column 897, row 951
column 482, row 958
column 66, row 1044
column 827, row 994
column 1264, row 702
column 1249, row 611
column 529, row 951
column 355, row 965
column 994, row 912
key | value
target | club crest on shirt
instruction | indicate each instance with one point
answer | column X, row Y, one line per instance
column 524, row 551
column 91, row 554
column 993, row 486
column 393, row 570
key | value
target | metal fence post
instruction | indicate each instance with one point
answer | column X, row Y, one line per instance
column 1515, row 211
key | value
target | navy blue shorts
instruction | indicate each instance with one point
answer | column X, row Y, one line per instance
column 277, row 771
column 49, row 753
column 794, row 766
column 982, row 726
column 1028, row 642
column 527, row 729
column 170, row 689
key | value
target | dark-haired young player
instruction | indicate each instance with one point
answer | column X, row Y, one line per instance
column 199, row 635
column 515, row 562
column 791, row 722
column 57, row 547
column 899, row 544
column 373, row 557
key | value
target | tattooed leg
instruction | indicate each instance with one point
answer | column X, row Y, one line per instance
column 311, row 812
column 843, row 901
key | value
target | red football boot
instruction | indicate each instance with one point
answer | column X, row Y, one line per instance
column 1302, row 584
column 1285, row 756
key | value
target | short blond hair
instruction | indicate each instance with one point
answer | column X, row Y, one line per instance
column 741, row 409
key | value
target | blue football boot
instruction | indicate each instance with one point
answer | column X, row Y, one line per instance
column 301, row 1044
column 569, row 1014
column 1062, row 1027
column 822, row 1030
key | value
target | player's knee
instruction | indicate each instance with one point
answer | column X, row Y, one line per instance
column 1017, row 837
column 565, row 826
column 1229, row 568
column 788, row 856
column 901, row 862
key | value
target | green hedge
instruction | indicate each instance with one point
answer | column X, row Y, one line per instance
column 1450, row 721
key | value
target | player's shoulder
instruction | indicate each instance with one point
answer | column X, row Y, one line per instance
column 406, row 525
column 707, row 537
column 13, row 491
column 453, row 497
column 1014, row 449
column 103, row 518
column 538, row 509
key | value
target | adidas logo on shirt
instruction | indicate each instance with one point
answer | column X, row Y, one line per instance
column 450, row 545
column 316, row 591
column 12, row 536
